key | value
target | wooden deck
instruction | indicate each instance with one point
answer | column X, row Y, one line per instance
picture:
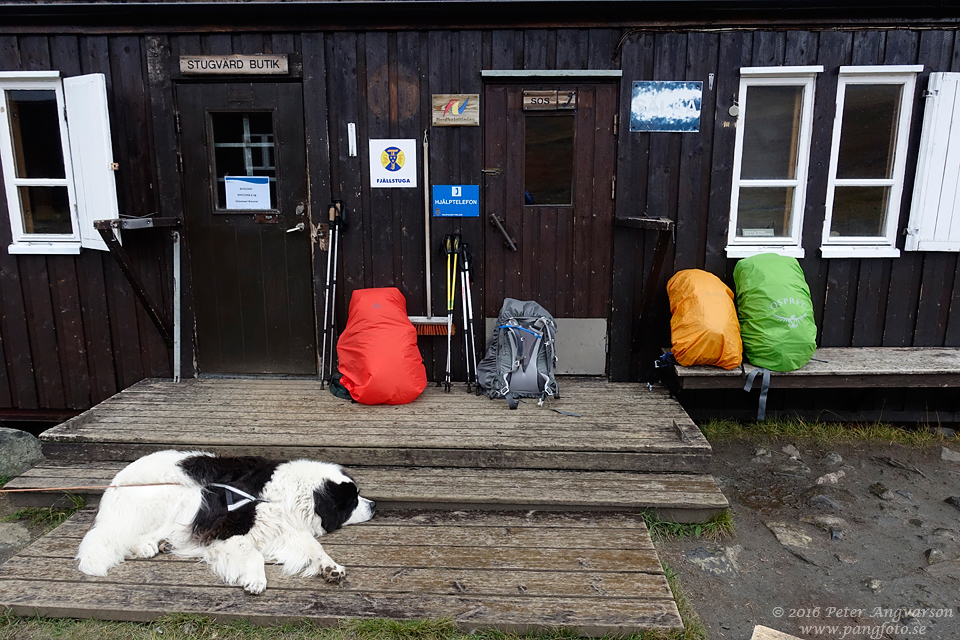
column 622, row 427
column 594, row 573
column 844, row 367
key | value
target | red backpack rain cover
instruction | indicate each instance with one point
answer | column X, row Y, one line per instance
column 378, row 353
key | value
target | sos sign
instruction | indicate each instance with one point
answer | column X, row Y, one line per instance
column 552, row 100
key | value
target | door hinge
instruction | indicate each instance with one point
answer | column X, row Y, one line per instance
column 176, row 120
column 613, row 188
column 616, row 123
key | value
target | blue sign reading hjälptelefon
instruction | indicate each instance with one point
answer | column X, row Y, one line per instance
column 461, row 200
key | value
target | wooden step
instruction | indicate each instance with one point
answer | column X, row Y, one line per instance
column 676, row 497
column 622, row 427
column 596, row 574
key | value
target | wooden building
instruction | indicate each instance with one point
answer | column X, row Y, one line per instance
column 864, row 194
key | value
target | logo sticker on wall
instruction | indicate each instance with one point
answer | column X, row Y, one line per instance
column 393, row 163
column 455, row 110
column 461, row 200
column 666, row 106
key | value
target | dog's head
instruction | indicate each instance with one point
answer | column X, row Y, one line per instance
column 321, row 493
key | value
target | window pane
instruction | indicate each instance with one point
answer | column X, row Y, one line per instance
column 771, row 133
column 35, row 131
column 868, row 135
column 764, row 212
column 548, row 160
column 45, row 210
column 859, row 211
column 244, row 146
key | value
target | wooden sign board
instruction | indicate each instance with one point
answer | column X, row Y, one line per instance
column 234, row 65
column 549, row 100
column 456, row 109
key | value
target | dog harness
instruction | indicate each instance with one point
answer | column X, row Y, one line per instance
column 230, row 492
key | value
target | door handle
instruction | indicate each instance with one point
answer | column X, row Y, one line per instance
column 299, row 227
column 507, row 240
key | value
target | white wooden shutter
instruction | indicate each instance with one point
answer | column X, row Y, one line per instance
column 935, row 211
column 91, row 150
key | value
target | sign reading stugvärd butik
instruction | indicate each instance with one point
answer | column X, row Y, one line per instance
column 234, row 64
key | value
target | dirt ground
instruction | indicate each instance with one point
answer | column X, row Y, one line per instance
column 876, row 555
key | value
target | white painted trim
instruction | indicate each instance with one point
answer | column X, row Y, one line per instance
column 866, row 251
column 881, row 69
column 791, row 243
column 907, row 79
column 551, row 73
column 44, row 248
column 780, row 72
column 746, row 251
column 29, row 75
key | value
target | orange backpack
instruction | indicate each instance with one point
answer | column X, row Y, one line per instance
column 704, row 328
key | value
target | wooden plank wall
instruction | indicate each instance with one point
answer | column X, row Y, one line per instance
column 913, row 300
column 72, row 333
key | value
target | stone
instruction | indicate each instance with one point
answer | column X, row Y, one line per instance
column 13, row 536
column 762, row 456
column 846, row 558
column 949, row 455
column 789, row 535
column 831, row 478
column 836, row 534
column 19, row 451
column 934, row 556
column 873, row 584
column 947, row 432
column 905, row 494
column 825, row 522
column 878, row 489
column 791, row 451
column 829, row 497
column 953, row 501
column 720, row 562
column 831, row 459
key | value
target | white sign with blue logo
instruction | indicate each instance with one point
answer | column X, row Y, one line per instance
column 247, row 192
column 393, row 163
column 456, row 200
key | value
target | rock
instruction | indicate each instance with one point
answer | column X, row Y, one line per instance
column 947, row 568
column 878, row 489
column 791, row 451
column 934, row 556
column 825, row 522
column 19, row 451
column 947, row 432
column 873, row 584
column 762, row 456
column 953, row 501
column 832, row 459
column 829, row 497
column 13, row 536
column 831, row 478
column 949, row 455
column 846, row 558
column 717, row 561
column 917, row 522
column 836, row 534
column 789, row 535
column 905, row 494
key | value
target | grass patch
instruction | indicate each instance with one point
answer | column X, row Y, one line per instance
column 718, row 527
column 4, row 480
column 190, row 627
column 826, row 433
column 47, row 518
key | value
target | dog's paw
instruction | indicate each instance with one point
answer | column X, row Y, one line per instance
column 165, row 547
column 255, row 586
column 333, row 573
column 145, row 549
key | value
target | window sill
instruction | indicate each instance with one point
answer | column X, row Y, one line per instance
column 44, row 248
column 859, row 251
column 747, row 251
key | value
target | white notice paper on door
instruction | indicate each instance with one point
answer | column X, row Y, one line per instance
column 247, row 192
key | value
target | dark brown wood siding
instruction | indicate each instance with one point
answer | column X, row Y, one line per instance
column 73, row 333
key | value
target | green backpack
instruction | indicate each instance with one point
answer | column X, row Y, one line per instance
column 775, row 312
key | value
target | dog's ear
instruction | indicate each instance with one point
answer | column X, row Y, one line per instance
column 334, row 502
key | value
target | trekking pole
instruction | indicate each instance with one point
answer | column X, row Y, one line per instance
column 326, row 294
column 463, row 301
column 451, row 245
column 468, row 320
column 337, row 223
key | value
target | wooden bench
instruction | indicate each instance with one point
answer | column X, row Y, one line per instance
column 843, row 367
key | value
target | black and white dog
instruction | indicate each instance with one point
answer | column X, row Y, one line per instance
column 234, row 513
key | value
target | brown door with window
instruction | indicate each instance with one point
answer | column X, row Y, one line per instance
column 549, row 175
column 247, row 227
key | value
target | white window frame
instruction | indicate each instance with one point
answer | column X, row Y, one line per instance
column 36, row 243
column 805, row 76
column 871, row 246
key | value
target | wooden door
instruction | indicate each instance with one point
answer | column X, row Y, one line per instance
column 247, row 228
column 549, row 171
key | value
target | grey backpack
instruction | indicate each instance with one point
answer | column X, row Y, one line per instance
column 520, row 359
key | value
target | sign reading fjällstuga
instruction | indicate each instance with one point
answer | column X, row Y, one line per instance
column 234, row 64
